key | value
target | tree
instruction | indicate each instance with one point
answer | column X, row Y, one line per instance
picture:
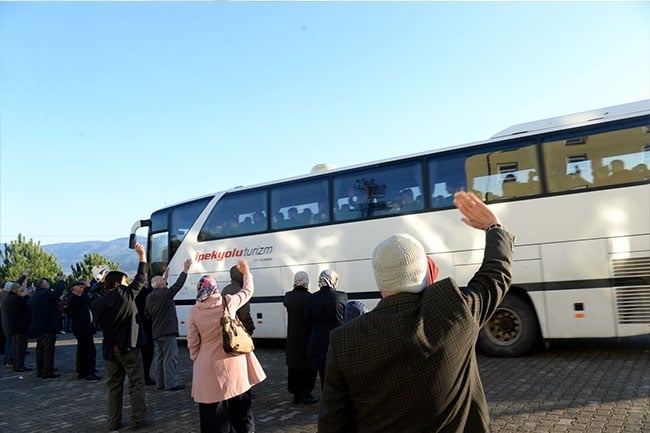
column 22, row 255
column 83, row 270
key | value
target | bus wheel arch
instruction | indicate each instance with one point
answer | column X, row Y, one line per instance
column 513, row 330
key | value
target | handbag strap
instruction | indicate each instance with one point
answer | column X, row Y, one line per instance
column 226, row 310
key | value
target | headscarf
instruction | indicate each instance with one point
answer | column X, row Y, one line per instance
column 354, row 309
column 301, row 279
column 328, row 278
column 432, row 270
column 205, row 287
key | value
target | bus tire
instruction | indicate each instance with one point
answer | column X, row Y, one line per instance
column 512, row 330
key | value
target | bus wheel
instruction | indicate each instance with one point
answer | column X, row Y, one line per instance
column 511, row 331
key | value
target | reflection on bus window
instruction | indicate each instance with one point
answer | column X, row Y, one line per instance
column 378, row 191
column 605, row 159
column 504, row 173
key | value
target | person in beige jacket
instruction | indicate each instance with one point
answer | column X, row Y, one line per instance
column 218, row 376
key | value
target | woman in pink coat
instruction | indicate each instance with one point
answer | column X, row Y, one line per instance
column 218, row 376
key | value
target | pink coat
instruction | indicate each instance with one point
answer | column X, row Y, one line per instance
column 217, row 375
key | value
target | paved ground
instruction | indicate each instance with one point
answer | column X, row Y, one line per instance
column 574, row 386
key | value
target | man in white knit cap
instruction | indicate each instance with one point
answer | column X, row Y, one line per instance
column 410, row 364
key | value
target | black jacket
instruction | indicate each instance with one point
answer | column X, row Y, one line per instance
column 17, row 311
column 325, row 311
column 44, row 307
column 115, row 313
column 80, row 316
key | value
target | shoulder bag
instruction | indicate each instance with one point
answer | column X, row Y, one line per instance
column 236, row 341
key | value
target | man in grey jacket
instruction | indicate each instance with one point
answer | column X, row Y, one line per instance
column 161, row 311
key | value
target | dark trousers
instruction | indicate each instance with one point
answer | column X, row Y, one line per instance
column 241, row 413
column 19, row 343
column 214, row 417
column 86, row 355
column 147, row 353
column 128, row 364
column 45, row 344
column 301, row 382
column 321, row 374
column 9, row 350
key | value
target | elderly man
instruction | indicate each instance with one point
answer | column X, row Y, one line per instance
column 410, row 364
column 159, row 307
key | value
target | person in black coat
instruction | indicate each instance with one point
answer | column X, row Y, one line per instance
column 46, row 323
column 83, row 330
column 301, row 378
column 18, row 321
column 324, row 312
column 146, row 349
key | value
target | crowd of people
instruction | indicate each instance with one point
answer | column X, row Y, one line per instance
column 417, row 346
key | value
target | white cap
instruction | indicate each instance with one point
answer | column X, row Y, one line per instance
column 400, row 264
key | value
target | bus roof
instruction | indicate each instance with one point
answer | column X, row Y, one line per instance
column 591, row 116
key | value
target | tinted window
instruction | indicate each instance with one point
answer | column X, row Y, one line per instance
column 300, row 204
column 236, row 214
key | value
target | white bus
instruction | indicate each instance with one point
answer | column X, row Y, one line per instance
column 575, row 190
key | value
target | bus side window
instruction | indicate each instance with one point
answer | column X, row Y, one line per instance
column 504, row 173
column 604, row 159
column 446, row 177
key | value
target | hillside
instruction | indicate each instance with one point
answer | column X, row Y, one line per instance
column 117, row 250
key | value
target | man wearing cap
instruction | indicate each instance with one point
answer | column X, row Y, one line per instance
column 83, row 330
column 410, row 364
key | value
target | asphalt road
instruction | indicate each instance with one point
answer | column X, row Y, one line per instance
column 573, row 386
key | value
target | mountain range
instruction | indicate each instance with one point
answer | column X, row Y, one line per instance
column 70, row 253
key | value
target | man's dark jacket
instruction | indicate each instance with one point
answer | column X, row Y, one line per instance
column 160, row 309
column 45, row 311
column 410, row 364
column 80, row 316
column 17, row 311
column 115, row 313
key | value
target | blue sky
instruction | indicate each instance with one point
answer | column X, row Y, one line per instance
column 109, row 111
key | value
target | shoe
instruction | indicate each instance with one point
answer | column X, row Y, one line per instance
column 297, row 399
column 149, row 382
column 51, row 376
column 175, row 388
column 92, row 377
column 135, row 425
column 21, row 369
column 9, row 366
column 310, row 400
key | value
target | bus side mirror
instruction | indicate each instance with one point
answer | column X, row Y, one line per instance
column 132, row 241
column 133, row 238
